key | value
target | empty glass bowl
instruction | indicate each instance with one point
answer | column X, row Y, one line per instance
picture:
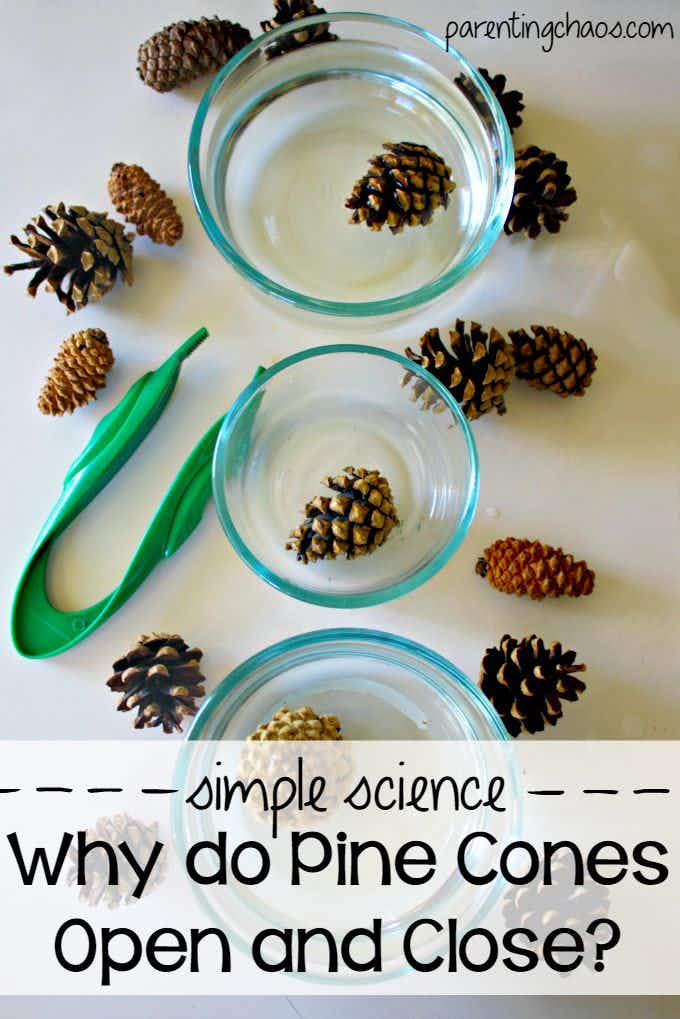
column 312, row 415
column 280, row 138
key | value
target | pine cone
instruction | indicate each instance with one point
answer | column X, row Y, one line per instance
column 403, row 187
column 141, row 200
column 478, row 368
column 140, row 838
column 73, row 242
column 520, row 566
column 510, row 101
column 303, row 724
column 526, row 682
column 553, row 360
column 78, row 371
column 285, row 13
column 542, row 193
column 185, row 50
column 161, row 677
column 354, row 522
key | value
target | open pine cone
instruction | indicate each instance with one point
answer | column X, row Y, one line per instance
column 353, row 522
column 519, row 566
column 79, row 370
column 112, row 831
column 526, row 682
column 477, row 369
column 287, row 12
column 185, row 50
column 403, row 187
column 161, row 677
column 141, row 200
column 542, row 192
column 554, row 360
column 72, row 243
column 510, row 100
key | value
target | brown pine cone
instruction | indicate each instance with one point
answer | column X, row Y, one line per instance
column 78, row 371
column 303, row 724
column 519, row 566
column 140, row 838
column 185, row 50
column 542, row 192
column 477, row 369
column 287, row 12
column 161, row 677
column 403, row 187
column 510, row 100
column 141, row 200
column 554, row 360
column 526, row 682
column 352, row 523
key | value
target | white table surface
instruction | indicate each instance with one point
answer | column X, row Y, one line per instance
column 599, row 476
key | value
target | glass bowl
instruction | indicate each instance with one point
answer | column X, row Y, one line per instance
column 280, row 138
column 312, row 415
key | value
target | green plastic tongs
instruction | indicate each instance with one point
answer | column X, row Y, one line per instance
column 38, row 628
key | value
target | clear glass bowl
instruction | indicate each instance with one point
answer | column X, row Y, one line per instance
column 278, row 142
column 312, row 415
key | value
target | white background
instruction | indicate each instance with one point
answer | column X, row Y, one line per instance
column 599, row 475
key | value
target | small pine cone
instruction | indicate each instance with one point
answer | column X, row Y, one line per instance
column 510, row 100
column 520, row 566
column 78, row 371
column 71, row 243
column 553, row 360
column 526, row 682
column 113, row 830
column 185, row 50
column 141, row 200
column 287, row 12
column 161, row 677
column 403, row 187
column 477, row 369
column 304, row 723
column 353, row 522
column 542, row 193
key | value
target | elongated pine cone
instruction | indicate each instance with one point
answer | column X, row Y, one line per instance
column 403, row 187
column 477, row 369
column 510, row 100
column 142, row 201
column 542, row 192
column 161, row 677
column 526, row 682
column 353, row 522
column 70, row 243
column 554, row 360
column 140, row 838
column 287, row 12
column 520, row 566
column 185, row 50
column 78, row 371
column 303, row 723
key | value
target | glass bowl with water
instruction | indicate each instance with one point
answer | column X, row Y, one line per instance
column 280, row 138
column 317, row 412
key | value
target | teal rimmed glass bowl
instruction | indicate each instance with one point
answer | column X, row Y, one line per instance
column 280, row 138
column 322, row 410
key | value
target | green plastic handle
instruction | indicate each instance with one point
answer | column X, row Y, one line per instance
column 40, row 630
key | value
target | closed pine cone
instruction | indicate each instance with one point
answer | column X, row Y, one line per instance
column 185, row 50
column 78, row 371
column 142, row 201
column 300, row 724
column 554, row 360
column 287, row 12
column 542, row 192
column 403, row 187
column 161, row 677
column 526, row 682
column 520, row 566
column 477, row 369
column 353, row 522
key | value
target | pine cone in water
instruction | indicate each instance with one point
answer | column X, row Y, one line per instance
column 142, row 201
column 554, row 360
column 161, row 677
column 73, row 242
column 510, row 100
column 303, row 724
column 527, row 682
column 542, row 192
column 79, row 370
column 353, row 522
column 519, row 566
column 113, row 830
column 403, row 187
column 185, row 50
column 287, row 12
column 477, row 369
